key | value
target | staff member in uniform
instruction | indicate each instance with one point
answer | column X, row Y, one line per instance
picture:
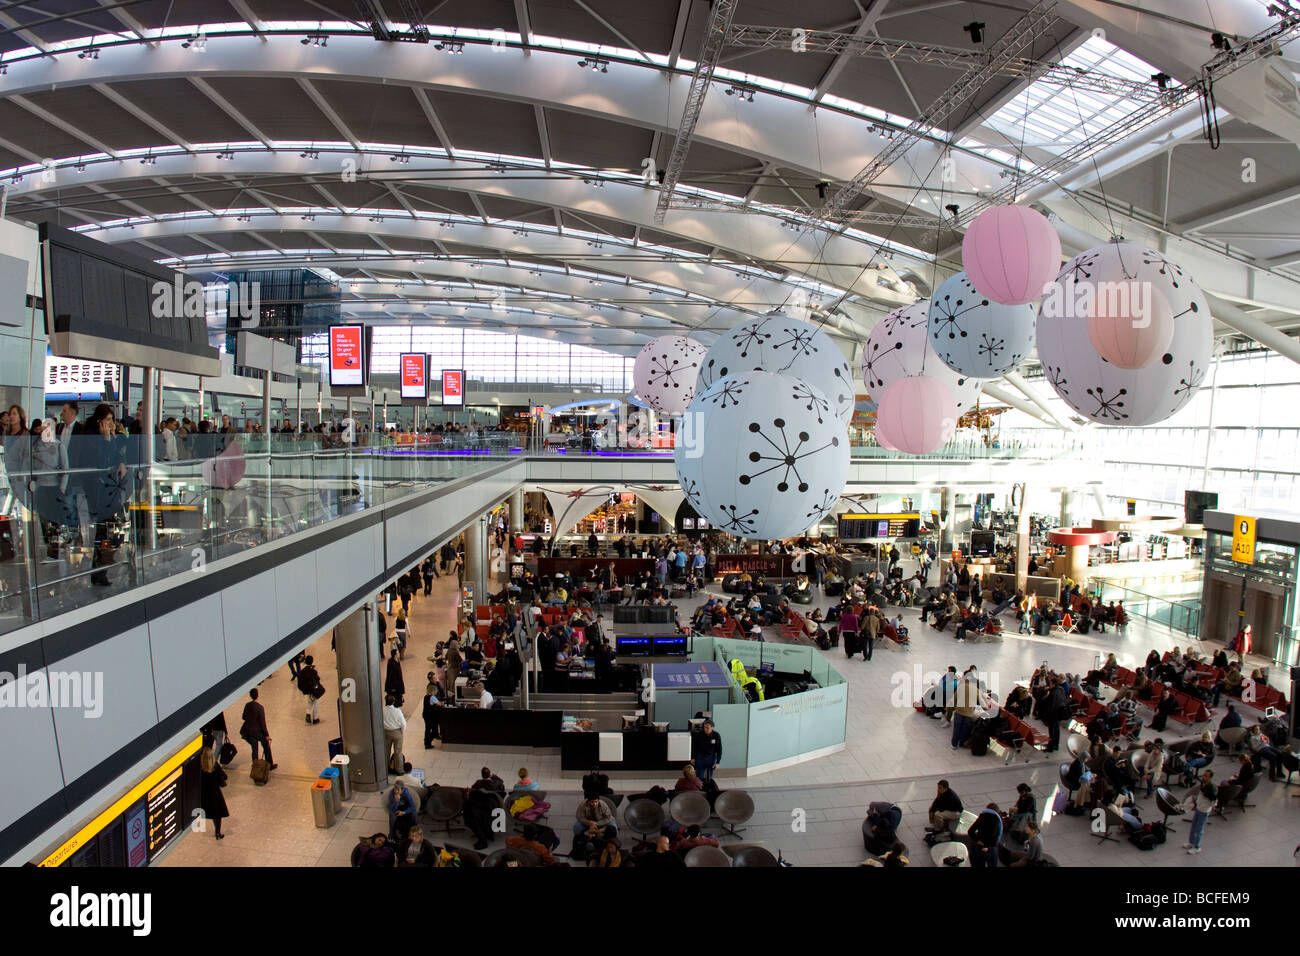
column 706, row 750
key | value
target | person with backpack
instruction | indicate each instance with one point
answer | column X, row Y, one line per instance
column 429, row 571
column 1055, row 709
column 309, row 684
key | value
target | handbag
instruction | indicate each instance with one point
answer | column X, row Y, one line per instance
column 318, row 692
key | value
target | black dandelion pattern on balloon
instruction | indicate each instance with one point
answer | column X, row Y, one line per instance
column 670, row 371
column 1056, row 377
column 787, row 454
column 750, row 336
column 1171, row 270
column 691, row 488
column 1191, row 381
column 1108, row 408
column 876, row 354
column 949, row 313
column 820, row 511
column 735, row 521
column 1079, row 268
column 799, row 341
column 813, row 402
column 991, row 348
column 730, row 393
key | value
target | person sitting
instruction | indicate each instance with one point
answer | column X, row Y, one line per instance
column 416, row 851
column 592, row 827
column 1019, row 702
column 1032, row 854
column 688, row 781
column 662, row 857
column 528, row 840
column 690, row 838
column 1153, row 660
column 1025, row 809
column 1142, row 685
column 1117, row 770
column 1198, row 755
column 1231, row 684
column 489, row 781
column 1167, row 705
column 1230, row 719
column 1126, row 705
column 524, row 782
column 1245, row 771
column 945, row 809
column 1151, row 763
column 974, row 624
column 1262, row 749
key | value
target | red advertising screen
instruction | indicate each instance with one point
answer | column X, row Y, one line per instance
column 453, row 386
column 347, row 355
column 414, row 383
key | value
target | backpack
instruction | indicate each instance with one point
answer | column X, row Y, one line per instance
column 1143, row 839
column 448, row 858
column 306, row 680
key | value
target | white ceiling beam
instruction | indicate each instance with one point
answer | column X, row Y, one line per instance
column 329, row 112
column 1209, row 220
column 866, row 25
column 64, row 125
column 171, row 137
column 543, row 137
column 523, row 22
column 422, row 97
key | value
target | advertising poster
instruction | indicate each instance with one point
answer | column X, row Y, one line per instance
column 347, row 356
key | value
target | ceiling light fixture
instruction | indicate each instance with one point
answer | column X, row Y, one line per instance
column 198, row 42
column 399, row 158
column 976, row 31
column 742, row 91
column 90, row 53
column 149, row 160
column 309, row 154
column 225, row 155
column 455, row 47
column 319, row 38
column 595, row 64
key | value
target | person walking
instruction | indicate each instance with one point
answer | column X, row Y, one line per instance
column 309, row 683
column 428, row 572
column 212, row 777
column 254, row 729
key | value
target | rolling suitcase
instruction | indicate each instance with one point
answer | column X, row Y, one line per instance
column 834, row 634
column 260, row 771
column 851, row 645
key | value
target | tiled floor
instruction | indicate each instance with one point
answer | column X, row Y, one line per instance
column 811, row 813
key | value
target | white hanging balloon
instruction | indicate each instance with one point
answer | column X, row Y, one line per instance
column 899, row 346
column 761, row 455
column 665, row 372
column 917, row 415
column 786, row 346
column 976, row 336
column 1089, row 384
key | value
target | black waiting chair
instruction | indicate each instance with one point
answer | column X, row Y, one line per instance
column 443, row 805
column 753, row 855
column 508, row 855
column 707, row 856
column 1168, row 804
column 644, row 817
column 1228, row 793
column 733, row 808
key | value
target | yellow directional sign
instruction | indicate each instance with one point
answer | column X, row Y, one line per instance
column 1243, row 539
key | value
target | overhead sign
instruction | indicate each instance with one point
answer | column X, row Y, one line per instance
column 1243, row 539
column 347, row 356
column 74, row 379
column 415, row 383
column 453, row 386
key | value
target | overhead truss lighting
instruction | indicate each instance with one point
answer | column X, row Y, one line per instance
column 597, row 64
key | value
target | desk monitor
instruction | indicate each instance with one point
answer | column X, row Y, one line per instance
column 767, row 669
column 674, row 646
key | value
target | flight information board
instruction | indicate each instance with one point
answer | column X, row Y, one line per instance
column 864, row 527
column 165, row 809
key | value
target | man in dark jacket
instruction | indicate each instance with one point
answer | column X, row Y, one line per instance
column 985, row 834
column 254, row 728
column 308, row 681
column 1055, row 709
column 945, row 809
column 706, row 750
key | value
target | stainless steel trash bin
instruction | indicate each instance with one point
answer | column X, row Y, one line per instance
column 332, row 775
column 322, row 805
column 342, row 761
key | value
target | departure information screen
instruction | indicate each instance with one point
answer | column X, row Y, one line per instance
column 862, row 527
column 165, row 820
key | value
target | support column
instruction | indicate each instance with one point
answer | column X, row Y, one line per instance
column 1022, row 541
column 148, row 413
column 360, row 667
column 947, row 518
column 476, row 558
column 266, row 404
column 1067, row 507
column 517, row 510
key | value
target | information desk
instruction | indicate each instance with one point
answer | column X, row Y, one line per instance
column 643, row 750
column 475, row 727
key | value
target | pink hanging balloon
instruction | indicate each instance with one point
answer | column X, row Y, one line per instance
column 1130, row 324
column 882, row 439
column 916, row 415
column 1009, row 253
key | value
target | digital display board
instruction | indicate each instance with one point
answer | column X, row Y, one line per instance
column 415, row 381
column 347, row 356
column 453, row 386
column 164, row 812
column 73, row 380
column 859, row 527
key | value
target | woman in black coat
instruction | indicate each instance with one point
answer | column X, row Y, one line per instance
column 105, row 481
column 1167, row 705
column 212, row 778
column 394, row 684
